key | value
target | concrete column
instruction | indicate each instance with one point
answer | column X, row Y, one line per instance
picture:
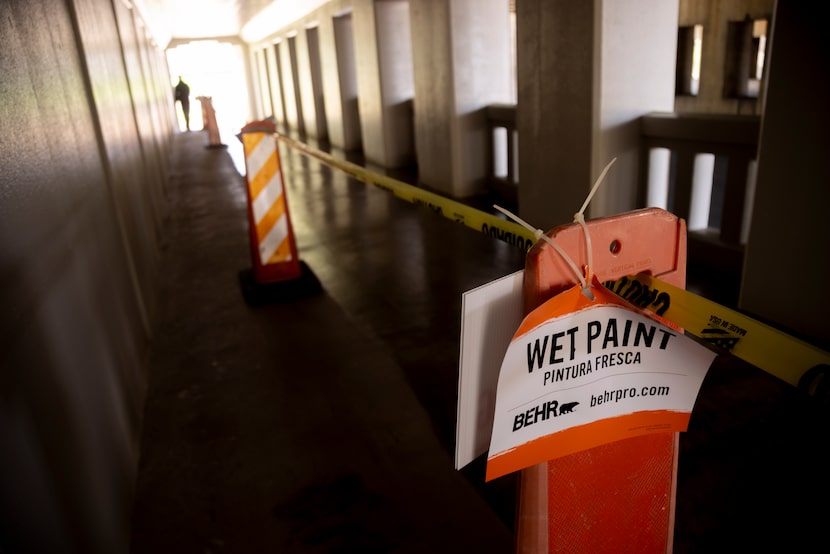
column 586, row 72
column 309, row 82
column 277, row 100
column 315, row 68
column 340, row 75
column 384, row 77
column 302, row 75
column 462, row 63
column 288, row 64
column 788, row 239
column 251, row 80
column 330, row 66
column 266, row 105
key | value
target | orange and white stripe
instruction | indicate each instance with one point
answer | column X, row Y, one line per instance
column 267, row 198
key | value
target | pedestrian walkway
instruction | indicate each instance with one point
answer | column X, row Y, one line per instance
column 327, row 423
column 297, row 427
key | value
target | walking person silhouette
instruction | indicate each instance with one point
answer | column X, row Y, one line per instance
column 182, row 96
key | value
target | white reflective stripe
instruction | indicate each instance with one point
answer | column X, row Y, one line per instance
column 263, row 150
column 272, row 240
column 267, row 196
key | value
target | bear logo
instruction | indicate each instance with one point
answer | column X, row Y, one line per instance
column 567, row 407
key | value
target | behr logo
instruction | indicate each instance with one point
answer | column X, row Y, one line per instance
column 542, row 412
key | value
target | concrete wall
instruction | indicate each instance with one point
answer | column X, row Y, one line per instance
column 455, row 54
column 715, row 15
column 85, row 119
column 786, row 256
column 328, row 111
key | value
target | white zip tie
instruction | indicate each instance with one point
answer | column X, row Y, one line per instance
column 579, row 217
column 539, row 234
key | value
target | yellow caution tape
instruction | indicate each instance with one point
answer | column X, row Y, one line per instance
column 765, row 347
column 488, row 224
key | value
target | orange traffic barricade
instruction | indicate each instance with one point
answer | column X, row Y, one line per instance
column 277, row 273
column 619, row 497
column 209, row 122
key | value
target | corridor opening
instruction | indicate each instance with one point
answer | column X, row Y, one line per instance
column 215, row 69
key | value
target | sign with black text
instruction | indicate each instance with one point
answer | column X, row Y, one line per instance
column 580, row 373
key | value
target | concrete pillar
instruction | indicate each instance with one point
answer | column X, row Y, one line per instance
column 462, row 63
column 251, row 80
column 384, row 77
column 335, row 59
column 272, row 64
column 309, row 82
column 788, row 240
column 586, row 72
column 345, row 131
column 288, row 64
column 265, row 106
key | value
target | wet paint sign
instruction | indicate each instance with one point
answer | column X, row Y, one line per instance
column 580, row 373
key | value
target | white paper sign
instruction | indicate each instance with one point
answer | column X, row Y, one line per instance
column 595, row 373
column 490, row 315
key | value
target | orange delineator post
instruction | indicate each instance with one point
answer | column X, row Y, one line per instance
column 618, row 497
column 273, row 247
column 209, row 122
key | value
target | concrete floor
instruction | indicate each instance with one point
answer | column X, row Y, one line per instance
column 327, row 423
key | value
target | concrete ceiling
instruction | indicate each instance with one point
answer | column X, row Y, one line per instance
column 199, row 19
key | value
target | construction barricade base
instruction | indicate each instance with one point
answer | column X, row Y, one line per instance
column 259, row 294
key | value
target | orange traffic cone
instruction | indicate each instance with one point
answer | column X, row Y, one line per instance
column 277, row 272
column 209, row 122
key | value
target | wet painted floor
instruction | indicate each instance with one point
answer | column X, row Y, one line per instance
column 327, row 423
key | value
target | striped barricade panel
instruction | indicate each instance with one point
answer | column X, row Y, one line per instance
column 273, row 247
